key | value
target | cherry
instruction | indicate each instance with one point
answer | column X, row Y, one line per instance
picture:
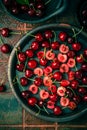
column 50, row 104
column 43, row 61
column 35, row 45
column 85, row 98
column 84, row 80
column 28, row 73
column 22, row 57
column 2, row 87
column 15, row 10
column 70, row 40
column 69, row 93
column 48, row 34
column 53, row 89
column 76, row 46
column 57, row 75
column 55, row 64
column 79, row 59
column 32, row 64
column 84, row 67
column 74, row 84
column 24, row 8
column 23, row 81
column 5, row 48
column 29, row 53
column 53, row 97
column 41, row 103
column 62, row 36
column 81, row 90
column 85, row 54
column 57, row 110
column 39, row 37
column 5, row 32
column 32, row 101
column 45, row 44
column 71, row 54
column 84, row 13
column 31, row 12
column 26, row 94
column 6, row 2
column 55, row 45
column 40, row 6
column 78, row 74
column 38, row 81
column 77, row 99
column 40, row 54
column 20, row 67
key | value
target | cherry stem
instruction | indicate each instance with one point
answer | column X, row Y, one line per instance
column 16, row 51
column 31, row 79
column 64, row 108
column 44, row 52
column 84, row 86
column 25, row 65
column 38, row 109
column 74, row 34
column 54, row 36
column 78, row 32
column 48, row 2
column 1, row 40
column 72, row 90
column 45, row 110
column 16, row 33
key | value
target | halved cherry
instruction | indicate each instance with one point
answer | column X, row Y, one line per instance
column 40, row 54
column 71, row 62
column 47, row 70
column 50, row 55
column 62, row 58
column 50, row 104
column 64, row 101
column 47, row 81
column 63, row 48
column 38, row 71
column 71, row 75
column 44, row 94
column 33, row 88
column 61, row 91
column 64, row 68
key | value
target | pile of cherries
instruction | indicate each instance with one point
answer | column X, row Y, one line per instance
column 53, row 72
column 36, row 8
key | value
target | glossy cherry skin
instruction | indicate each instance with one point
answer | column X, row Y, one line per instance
column 2, row 87
column 55, row 64
column 82, row 90
column 48, row 34
column 5, row 32
column 70, row 40
column 85, row 54
column 32, row 64
column 5, row 48
column 84, row 80
column 38, row 81
column 26, row 94
column 77, row 99
column 32, row 101
column 23, row 81
column 45, row 44
column 35, row 45
column 43, row 61
column 55, row 45
column 53, row 97
column 29, row 53
column 78, row 74
column 58, row 76
column 57, row 110
column 62, row 36
column 84, row 67
column 76, row 46
column 39, row 37
column 22, row 57
column 28, row 73
column 20, row 67
column 85, row 98
column 74, row 84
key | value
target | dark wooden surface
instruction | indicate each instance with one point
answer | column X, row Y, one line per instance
column 12, row 115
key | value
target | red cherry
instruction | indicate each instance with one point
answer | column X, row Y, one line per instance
column 2, row 87
column 32, row 101
column 39, row 37
column 84, row 80
column 32, row 64
column 26, row 94
column 22, row 57
column 20, row 67
column 74, row 84
column 85, row 98
column 57, row 75
column 85, row 53
column 38, row 81
column 35, row 45
column 31, row 12
column 70, row 40
column 77, row 99
column 53, row 97
column 82, row 90
column 28, row 73
column 55, row 64
column 5, row 32
column 62, row 36
column 24, row 81
column 53, row 88
column 40, row 54
column 5, row 48
column 76, row 46
column 78, row 74
column 43, row 61
column 84, row 67
column 71, row 54
column 48, row 34
column 55, row 45
column 79, row 59
column 45, row 44
column 65, row 83
column 29, row 53
column 57, row 110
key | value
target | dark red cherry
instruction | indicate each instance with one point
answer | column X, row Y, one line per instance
column 26, row 94
column 2, row 87
column 45, row 44
column 74, row 84
column 70, row 40
column 35, row 45
column 77, row 99
column 5, row 48
column 76, row 46
column 48, row 34
column 20, row 67
column 85, row 98
column 15, row 10
column 32, row 64
column 23, row 81
column 84, row 80
column 69, row 93
column 5, row 32
column 24, row 8
column 71, row 54
column 41, row 103
column 85, row 54
column 39, row 37
column 55, row 64
column 31, row 12
column 40, row 6
column 28, row 73
column 82, row 90
column 57, row 110
column 38, row 81
column 78, row 74
column 79, row 59
column 84, row 67
column 22, row 57
column 43, row 61
column 62, row 36
column 57, row 75
column 55, row 45
column 29, row 53
column 32, row 101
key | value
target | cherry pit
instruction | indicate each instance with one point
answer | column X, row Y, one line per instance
column 53, row 72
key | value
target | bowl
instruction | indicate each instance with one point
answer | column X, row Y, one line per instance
column 53, row 8
column 14, row 75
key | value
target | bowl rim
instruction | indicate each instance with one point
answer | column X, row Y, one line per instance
column 59, row 119
column 41, row 20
